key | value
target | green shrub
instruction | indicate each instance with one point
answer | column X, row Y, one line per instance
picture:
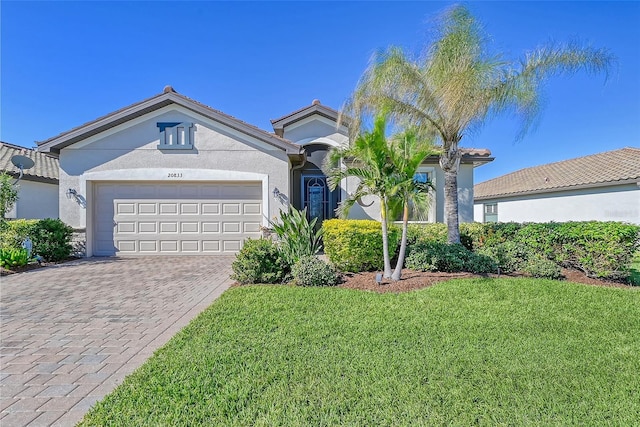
column 13, row 233
column 312, row 271
column 437, row 232
column 259, row 261
column 356, row 245
column 297, row 237
column 11, row 257
column 52, row 239
column 436, row 256
column 508, row 256
column 428, row 232
column 480, row 264
column 538, row 266
column 497, row 232
column 600, row 249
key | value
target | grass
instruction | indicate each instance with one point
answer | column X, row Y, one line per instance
column 464, row 352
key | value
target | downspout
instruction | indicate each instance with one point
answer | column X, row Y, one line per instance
column 293, row 169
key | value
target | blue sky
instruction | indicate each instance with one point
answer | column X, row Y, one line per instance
column 66, row 63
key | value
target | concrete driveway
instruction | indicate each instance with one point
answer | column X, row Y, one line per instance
column 72, row 332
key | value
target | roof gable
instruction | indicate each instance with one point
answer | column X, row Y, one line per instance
column 45, row 168
column 316, row 108
column 166, row 98
column 610, row 167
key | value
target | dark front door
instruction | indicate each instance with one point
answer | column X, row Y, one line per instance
column 319, row 201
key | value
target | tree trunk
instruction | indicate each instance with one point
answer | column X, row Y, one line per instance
column 397, row 273
column 385, row 238
column 450, row 163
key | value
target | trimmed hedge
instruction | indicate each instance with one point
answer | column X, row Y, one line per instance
column 600, row 249
column 356, row 245
column 436, row 256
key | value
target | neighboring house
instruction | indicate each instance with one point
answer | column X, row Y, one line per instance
column 38, row 188
column 169, row 175
column 602, row 187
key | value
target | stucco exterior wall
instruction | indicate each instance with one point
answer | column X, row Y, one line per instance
column 614, row 203
column 37, row 200
column 129, row 153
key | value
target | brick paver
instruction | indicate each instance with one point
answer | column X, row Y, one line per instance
column 72, row 332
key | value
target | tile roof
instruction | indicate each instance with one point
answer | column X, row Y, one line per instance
column 616, row 166
column 45, row 168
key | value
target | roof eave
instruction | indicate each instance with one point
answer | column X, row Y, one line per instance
column 104, row 123
column 559, row 189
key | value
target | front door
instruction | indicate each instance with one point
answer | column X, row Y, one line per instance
column 317, row 199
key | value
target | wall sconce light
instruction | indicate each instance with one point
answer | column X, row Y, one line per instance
column 276, row 193
column 71, row 193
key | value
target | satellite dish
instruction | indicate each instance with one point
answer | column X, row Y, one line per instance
column 21, row 162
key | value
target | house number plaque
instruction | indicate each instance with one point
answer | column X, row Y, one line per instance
column 174, row 175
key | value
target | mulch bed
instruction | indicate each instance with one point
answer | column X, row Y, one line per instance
column 412, row 280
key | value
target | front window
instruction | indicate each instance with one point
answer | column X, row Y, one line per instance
column 425, row 214
column 491, row 212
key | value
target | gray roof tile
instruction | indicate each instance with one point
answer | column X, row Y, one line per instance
column 45, row 168
column 594, row 170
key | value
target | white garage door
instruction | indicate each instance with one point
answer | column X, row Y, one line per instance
column 168, row 218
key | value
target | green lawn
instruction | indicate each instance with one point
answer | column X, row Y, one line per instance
column 465, row 352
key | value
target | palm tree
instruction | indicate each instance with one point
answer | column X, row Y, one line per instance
column 367, row 159
column 407, row 152
column 458, row 84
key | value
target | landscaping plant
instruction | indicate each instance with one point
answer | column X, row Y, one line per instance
column 357, row 245
column 297, row 236
column 436, row 256
column 12, row 257
column 259, row 261
column 52, row 239
column 8, row 194
column 312, row 271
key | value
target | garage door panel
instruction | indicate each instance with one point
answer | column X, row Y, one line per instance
column 211, row 208
column 175, row 218
column 189, row 208
column 125, row 208
column 189, row 227
column 126, row 246
column 210, row 227
column 211, row 246
column 148, row 208
column 190, row 246
column 251, row 208
column 126, row 227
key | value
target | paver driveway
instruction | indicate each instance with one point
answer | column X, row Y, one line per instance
column 72, row 332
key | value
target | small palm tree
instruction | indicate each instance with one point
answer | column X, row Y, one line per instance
column 407, row 153
column 368, row 160
column 458, row 84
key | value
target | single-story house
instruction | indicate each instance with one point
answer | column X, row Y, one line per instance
column 602, row 187
column 169, row 175
column 38, row 187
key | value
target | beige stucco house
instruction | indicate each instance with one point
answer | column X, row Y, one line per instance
column 601, row 187
column 169, row 175
column 38, row 187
